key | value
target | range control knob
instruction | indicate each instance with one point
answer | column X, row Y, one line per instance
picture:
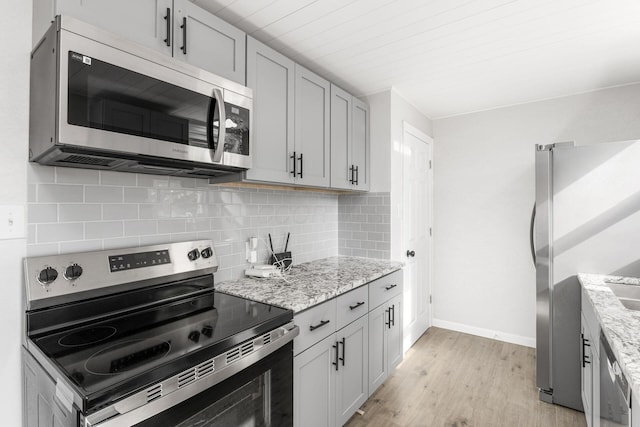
column 193, row 255
column 206, row 252
column 207, row 331
column 47, row 275
column 73, row 272
column 194, row 336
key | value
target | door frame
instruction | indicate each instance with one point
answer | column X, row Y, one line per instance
column 409, row 128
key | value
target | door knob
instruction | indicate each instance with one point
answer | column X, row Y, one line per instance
column 411, row 253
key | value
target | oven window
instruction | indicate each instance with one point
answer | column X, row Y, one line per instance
column 105, row 96
column 260, row 395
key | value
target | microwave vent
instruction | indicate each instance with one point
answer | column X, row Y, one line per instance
column 87, row 160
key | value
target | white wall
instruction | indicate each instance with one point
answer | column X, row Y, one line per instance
column 14, row 125
column 484, row 278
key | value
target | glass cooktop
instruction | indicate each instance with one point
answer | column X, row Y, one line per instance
column 125, row 353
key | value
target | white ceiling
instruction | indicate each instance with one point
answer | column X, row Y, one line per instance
column 450, row 57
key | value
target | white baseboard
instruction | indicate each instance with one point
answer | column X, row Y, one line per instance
column 486, row 333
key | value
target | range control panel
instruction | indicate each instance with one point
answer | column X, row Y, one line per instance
column 138, row 260
column 70, row 274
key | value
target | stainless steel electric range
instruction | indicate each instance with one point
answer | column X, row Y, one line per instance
column 140, row 337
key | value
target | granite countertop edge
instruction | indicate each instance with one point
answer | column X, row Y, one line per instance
column 619, row 324
column 311, row 283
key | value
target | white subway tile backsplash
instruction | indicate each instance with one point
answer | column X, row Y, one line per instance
column 103, row 194
column 103, row 229
column 364, row 225
column 40, row 174
column 121, row 242
column 42, row 212
column 42, row 249
column 183, row 237
column 73, row 212
column 48, row 233
column 77, row 176
column 118, row 178
column 31, row 193
column 172, row 226
column 31, row 234
column 140, row 227
column 119, row 211
column 153, row 181
column 140, row 195
column 80, row 246
column 198, row 224
column 60, row 193
column 155, row 239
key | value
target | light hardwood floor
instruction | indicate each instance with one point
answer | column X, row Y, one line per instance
column 457, row 380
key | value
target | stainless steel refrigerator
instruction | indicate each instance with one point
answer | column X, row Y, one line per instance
column 586, row 220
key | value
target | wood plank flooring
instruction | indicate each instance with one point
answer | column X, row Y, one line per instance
column 458, row 380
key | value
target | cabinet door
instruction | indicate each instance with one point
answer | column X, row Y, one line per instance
column 314, row 385
column 142, row 21
column 586, row 372
column 394, row 332
column 360, row 144
column 352, row 388
column 312, row 135
column 271, row 76
column 378, row 325
column 341, row 163
column 208, row 42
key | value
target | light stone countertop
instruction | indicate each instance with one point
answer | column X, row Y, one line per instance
column 620, row 325
column 311, row 283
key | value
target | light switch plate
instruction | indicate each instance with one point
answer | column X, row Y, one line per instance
column 12, row 222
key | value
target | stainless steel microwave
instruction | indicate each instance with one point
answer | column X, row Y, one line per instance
column 101, row 102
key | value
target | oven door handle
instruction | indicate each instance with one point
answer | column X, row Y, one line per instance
column 140, row 407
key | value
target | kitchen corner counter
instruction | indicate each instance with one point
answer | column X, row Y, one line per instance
column 620, row 325
column 311, row 283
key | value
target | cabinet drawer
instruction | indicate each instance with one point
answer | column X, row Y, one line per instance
column 352, row 306
column 384, row 288
column 315, row 324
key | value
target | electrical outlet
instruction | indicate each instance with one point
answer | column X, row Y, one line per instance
column 12, row 222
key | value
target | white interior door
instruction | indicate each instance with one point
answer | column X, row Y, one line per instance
column 417, row 224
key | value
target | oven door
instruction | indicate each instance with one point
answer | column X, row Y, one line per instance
column 260, row 395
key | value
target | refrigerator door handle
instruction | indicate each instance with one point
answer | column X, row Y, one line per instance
column 532, row 229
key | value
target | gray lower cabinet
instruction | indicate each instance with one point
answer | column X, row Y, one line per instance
column 385, row 328
column 331, row 362
column 590, row 362
column 352, row 373
column 175, row 27
column 41, row 405
column 385, row 341
column 314, row 385
column 349, row 141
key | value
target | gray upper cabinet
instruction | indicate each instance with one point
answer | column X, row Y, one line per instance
column 312, row 133
column 271, row 76
column 210, row 43
column 142, row 21
column 360, row 145
column 341, row 139
column 349, row 141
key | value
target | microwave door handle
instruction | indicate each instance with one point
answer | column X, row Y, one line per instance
column 217, row 155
